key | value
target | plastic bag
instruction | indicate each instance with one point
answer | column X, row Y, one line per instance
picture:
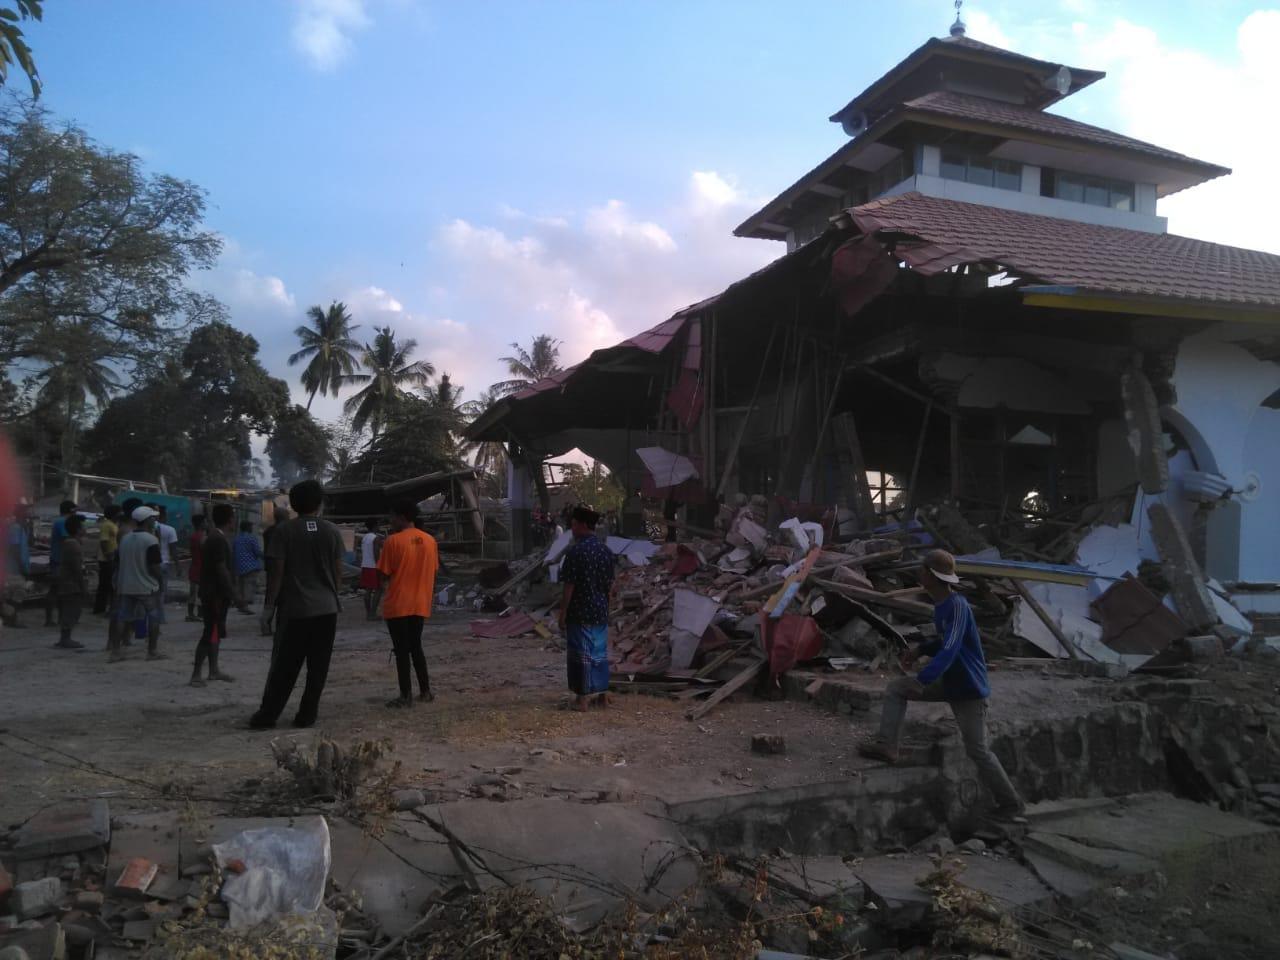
column 285, row 871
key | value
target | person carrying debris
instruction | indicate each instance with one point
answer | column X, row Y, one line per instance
column 957, row 674
column 408, row 565
column 306, row 569
column 587, row 574
column 370, row 579
column 138, row 585
column 217, row 591
column 69, row 582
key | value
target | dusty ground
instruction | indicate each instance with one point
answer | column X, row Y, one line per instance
column 498, row 706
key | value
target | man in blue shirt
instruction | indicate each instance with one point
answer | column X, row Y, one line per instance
column 246, row 561
column 957, row 674
column 57, row 533
column 587, row 574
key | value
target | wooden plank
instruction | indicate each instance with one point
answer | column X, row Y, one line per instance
column 913, row 485
column 782, row 599
column 720, row 659
column 732, row 686
column 860, row 501
column 827, row 568
column 878, row 598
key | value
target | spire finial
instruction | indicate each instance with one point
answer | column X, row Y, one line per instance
column 957, row 28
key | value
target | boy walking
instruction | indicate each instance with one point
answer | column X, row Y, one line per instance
column 306, row 569
column 957, row 675
column 217, row 592
column 408, row 567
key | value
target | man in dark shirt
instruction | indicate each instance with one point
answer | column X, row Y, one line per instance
column 217, row 592
column 306, row 570
column 956, row 674
column 587, row 574
column 69, row 582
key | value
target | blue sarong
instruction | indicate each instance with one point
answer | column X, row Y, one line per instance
column 587, row 651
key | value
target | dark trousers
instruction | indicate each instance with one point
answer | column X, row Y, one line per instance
column 406, row 640
column 301, row 640
column 106, row 577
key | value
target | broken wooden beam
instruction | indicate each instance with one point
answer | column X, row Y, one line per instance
column 1038, row 609
column 878, row 598
column 730, row 687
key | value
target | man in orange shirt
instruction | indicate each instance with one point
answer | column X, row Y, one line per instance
column 408, row 564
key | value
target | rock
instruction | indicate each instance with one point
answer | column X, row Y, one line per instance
column 974, row 845
column 409, row 799
column 64, row 828
column 90, row 901
column 35, row 898
column 768, row 743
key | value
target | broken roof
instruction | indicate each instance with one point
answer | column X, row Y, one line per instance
column 933, row 234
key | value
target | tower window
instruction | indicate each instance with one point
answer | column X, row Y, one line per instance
column 1082, row 188
column 983, row 171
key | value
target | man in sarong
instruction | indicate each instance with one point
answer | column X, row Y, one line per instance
column 587, row 574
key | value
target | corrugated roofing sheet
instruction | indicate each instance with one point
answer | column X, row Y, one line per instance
column 1071, row 253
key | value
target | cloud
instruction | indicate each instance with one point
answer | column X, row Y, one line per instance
column 597, row 276
column 1204, row 105
column 322, row 29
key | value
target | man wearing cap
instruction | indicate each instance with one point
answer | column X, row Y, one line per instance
column 138, row 585
column 587, row 574
column 956, row 674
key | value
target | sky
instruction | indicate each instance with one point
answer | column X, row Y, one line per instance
column 474, row 174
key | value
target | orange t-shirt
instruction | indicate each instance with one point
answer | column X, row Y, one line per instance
column 410, row 559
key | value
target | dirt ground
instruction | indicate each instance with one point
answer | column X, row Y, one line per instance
column 498, row 707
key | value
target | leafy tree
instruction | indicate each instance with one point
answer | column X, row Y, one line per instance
column 527, row 367
column 13, row 45
column 343, row 451
column 414, row 440
column 594, row 485
column 143, row 435
column 328, row 344
column 390, row 374
column 298, row 448
column 87, row 238
column 228, row 396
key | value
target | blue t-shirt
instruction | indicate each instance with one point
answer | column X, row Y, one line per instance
column 246, row 554
column 957, row 652
column 56, row 536
column 588, row 565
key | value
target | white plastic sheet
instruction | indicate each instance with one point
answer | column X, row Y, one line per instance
column 285, row 871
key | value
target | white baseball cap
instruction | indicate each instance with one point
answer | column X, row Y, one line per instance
column 142, row 514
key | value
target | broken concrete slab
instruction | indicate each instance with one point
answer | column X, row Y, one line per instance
column 46, row 943
column 64, row 828
column 817, row 880
column 890, row 883
column 36, row 898
column 1096, row 861
column 1063, row 880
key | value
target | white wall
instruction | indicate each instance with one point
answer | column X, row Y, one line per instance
column 1220, row 389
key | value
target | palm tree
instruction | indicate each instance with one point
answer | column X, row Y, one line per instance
column 391, row 374
column 527, row 367
column 329, row 345
column 68, row 386
column 487, row 456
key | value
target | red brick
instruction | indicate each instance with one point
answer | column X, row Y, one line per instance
column 136, row 877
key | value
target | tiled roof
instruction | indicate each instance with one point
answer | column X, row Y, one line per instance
column 1069, row 253
column 1016, row 117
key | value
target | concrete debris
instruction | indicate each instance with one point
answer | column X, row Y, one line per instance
column 36, row 898
column 64, row 828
